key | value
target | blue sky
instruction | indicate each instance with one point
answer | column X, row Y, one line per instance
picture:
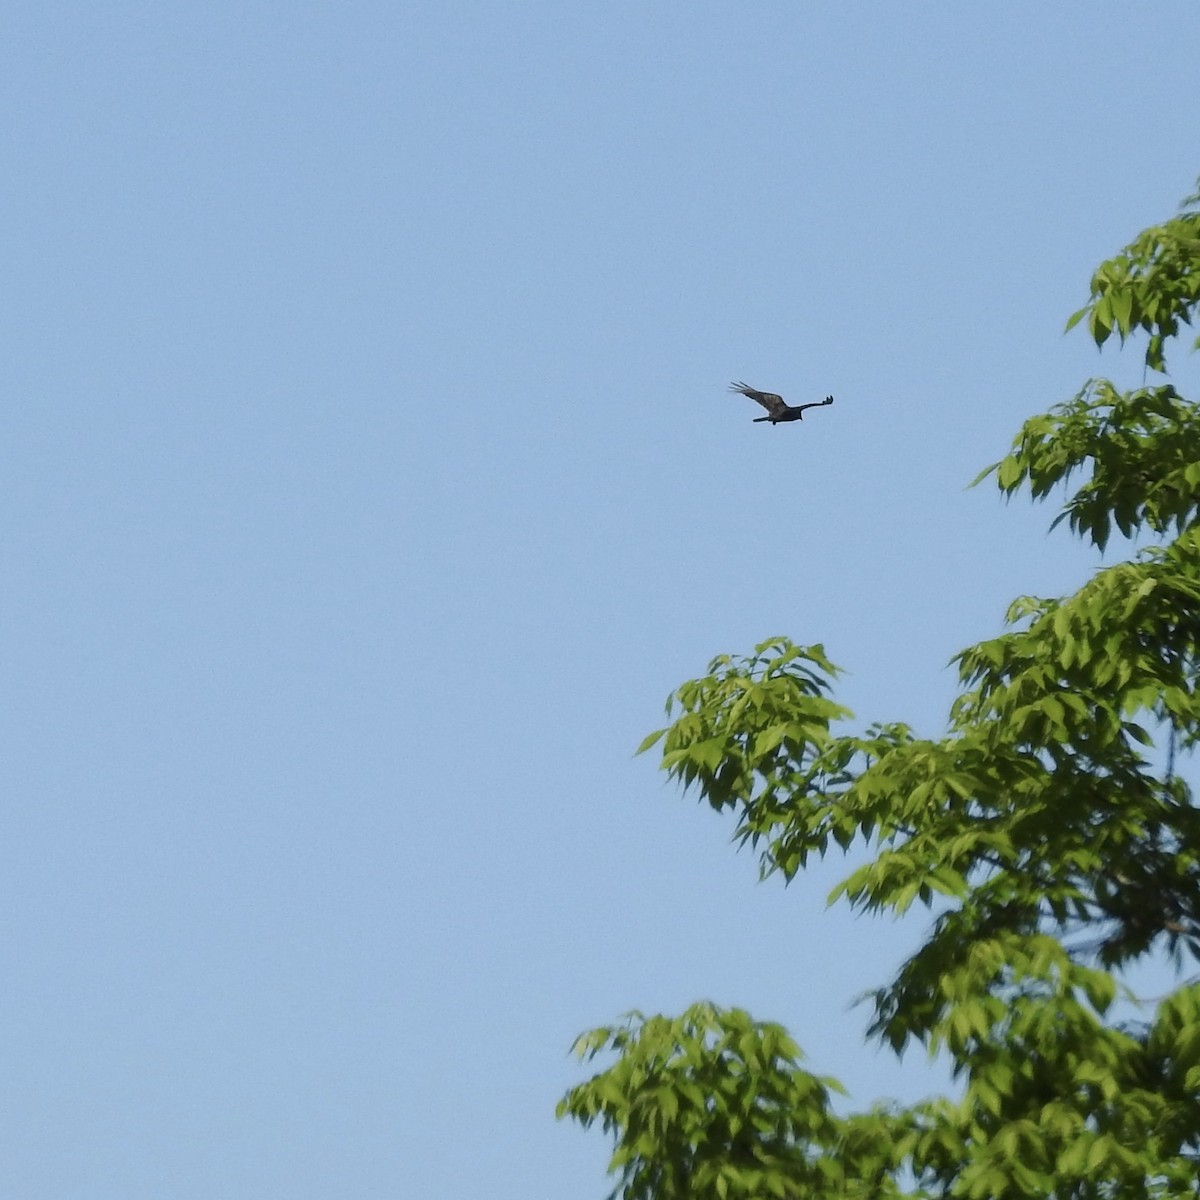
column 370, row 478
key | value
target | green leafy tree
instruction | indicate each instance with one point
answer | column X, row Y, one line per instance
column 1049, row 829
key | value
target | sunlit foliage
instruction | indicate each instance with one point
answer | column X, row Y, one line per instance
column 1052, row 830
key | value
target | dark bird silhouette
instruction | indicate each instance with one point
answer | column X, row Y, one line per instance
column 777, row 408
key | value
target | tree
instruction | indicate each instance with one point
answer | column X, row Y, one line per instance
column 1050, row 828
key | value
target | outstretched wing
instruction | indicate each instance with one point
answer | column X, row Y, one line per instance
column 772, row 403
column 817, row 404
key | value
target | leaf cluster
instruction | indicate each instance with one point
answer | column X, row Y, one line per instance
column 1137, row 449
column 1153, row 285
column 712, row 1104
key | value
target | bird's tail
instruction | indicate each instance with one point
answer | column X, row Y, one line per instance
column 757, row 420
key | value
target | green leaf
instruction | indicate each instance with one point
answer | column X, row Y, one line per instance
column 1121, row 306
column 1009, row 473
column 650, row 740
column 1076, row 317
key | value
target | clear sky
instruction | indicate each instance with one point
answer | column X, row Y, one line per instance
column 369, row 478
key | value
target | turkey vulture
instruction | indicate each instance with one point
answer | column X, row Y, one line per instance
column 777, row 409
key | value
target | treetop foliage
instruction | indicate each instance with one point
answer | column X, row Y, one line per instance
column 1152, row 285
column 1049, row 831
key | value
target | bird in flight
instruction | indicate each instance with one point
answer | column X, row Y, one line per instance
column 777, row 408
